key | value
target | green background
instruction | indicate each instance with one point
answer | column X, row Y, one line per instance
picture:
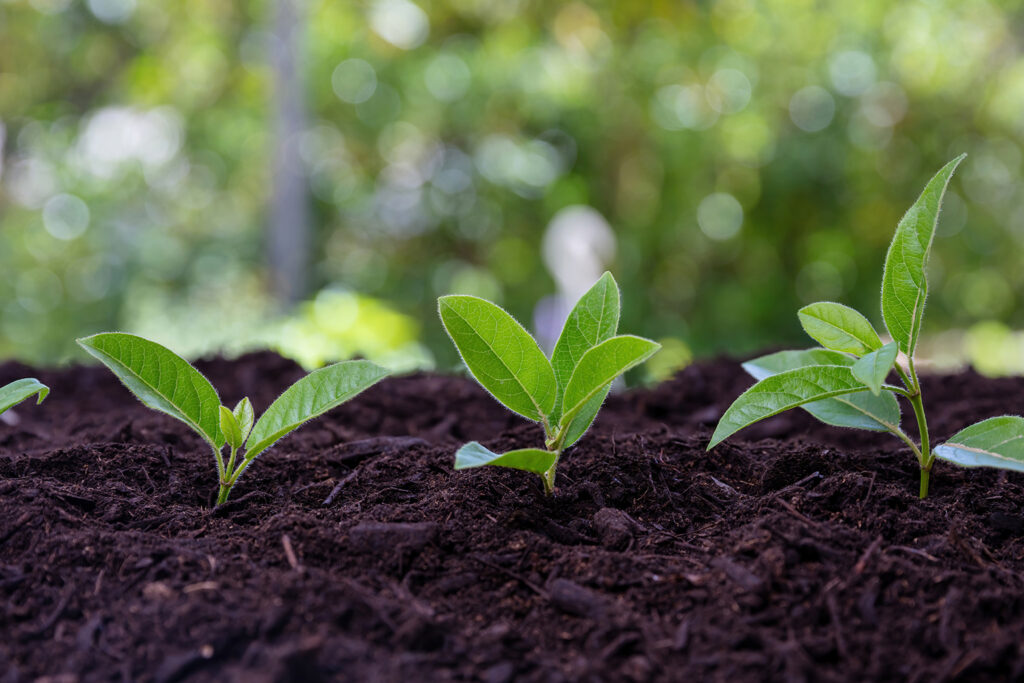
column 748, row 157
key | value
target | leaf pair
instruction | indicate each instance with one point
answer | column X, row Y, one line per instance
column 17, row 391
column 843, row 384
column 564, row 393
column 165, row 382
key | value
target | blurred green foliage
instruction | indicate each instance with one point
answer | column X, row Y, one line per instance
column 749, row 155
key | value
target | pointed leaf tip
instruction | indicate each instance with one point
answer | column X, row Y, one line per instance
column 594, row 319
column 310, row 397
column 904, row 280
column 600, row 366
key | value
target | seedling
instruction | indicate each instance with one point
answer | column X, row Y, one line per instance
column 844, row 384
column 17, row 391
column 166, row 382
column 563, row 394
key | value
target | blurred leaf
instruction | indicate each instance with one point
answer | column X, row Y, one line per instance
column 17, row 391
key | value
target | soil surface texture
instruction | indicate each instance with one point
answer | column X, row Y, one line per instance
column 352, row 551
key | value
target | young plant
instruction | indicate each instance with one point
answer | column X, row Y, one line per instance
column 564, row 393
column 166, row 382
column 17, row 391
column 844, row 384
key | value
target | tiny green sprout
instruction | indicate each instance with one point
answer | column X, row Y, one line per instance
column 563, row 394
column 844, row 383
column 14, row 393
column 166, row 382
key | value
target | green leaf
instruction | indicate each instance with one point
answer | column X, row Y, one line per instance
column 585, row 418
column 904, row 282
column 600, row 366
column 774, row 363
column 311, row 396
column 781, row 392
column 244, row 414
column 856, row 411
column 873, row 368
column 594, row 319
column 161, row 379
column 230, row 428
column 839, row 328
column 502, row 355
column 18, row 390
column 530, row 459
column 995, row 442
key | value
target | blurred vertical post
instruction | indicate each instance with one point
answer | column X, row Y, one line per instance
column 288, row 238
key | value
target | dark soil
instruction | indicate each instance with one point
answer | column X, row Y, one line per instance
column 352, row 551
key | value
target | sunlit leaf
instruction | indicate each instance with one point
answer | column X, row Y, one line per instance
column 245, row 416
column 535, row 460
column 904, row 281
column 995, row 442
column 839, row 328
column 230, row 428
column 873, row 368
column 585, row 417
column 781, row 392
column 17, row 391
column 502, row 355
column 161, row 379
column 313, row 395
column 600, row 366
column 593, row 319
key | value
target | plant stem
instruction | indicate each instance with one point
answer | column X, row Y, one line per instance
column 924, row 455
column 228, row 478
column 549, row 478
column 230, row 470
column 926, row 451
column 896, row 431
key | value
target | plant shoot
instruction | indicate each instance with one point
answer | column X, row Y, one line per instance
column 845, row 383
column 563, row 393
column 166, row 382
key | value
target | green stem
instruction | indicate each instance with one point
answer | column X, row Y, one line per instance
column 896, row 431
column 228, row 477
column 926, row 456
column 897, row 390
column 549, row 478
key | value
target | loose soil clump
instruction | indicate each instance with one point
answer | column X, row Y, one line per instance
column 352, row 551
